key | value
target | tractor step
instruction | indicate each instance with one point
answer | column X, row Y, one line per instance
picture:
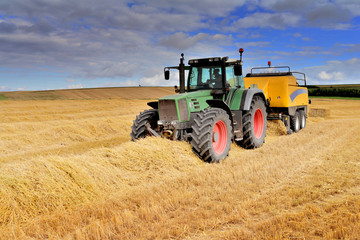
column 274, row 117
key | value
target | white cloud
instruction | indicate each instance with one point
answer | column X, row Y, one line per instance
column 335, row 72
column 220, row 37
column 182, row 40
column 268, row 20
column 159, row 80
column 323, row 75
column 127, row 83
column 209, row 8
column 72, row 86
column 255, row 44
column 353, row 61
column 299, row 35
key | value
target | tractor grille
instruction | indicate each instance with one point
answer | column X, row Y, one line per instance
column 167, row 110
column 183, row 109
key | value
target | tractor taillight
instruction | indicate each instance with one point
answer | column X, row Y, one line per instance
column 241, row 50
column 269, row 63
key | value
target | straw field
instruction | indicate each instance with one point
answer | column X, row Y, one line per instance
column 68, row 170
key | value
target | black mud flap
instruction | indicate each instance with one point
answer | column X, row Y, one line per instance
column 286, row 120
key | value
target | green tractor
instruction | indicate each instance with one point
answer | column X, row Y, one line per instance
column 213, row 110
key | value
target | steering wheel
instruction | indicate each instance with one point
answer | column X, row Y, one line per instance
column 211, row 83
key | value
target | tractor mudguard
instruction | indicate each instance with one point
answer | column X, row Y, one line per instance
column 154, row 105
column 248, row 96
column 217, row 103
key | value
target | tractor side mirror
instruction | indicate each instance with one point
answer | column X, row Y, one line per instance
column 167, row 74
column 237, row 70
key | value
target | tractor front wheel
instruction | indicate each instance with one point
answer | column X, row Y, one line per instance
column 138, row 129
column 254, row 124
column 211, row 134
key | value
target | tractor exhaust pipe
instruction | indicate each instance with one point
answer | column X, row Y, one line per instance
column 181, row 69
column 182, row 74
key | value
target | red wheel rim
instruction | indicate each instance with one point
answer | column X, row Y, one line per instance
column 219, row 137
column 258, row 123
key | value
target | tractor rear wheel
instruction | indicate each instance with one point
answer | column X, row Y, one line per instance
column 211, row 134
column 295, row 122
column 302, row 119
column 138, row 129
column 254, row 124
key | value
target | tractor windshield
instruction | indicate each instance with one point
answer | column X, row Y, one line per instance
column 204, row 78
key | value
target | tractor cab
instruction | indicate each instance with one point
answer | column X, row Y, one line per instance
column 217, row 74
column 213, row 73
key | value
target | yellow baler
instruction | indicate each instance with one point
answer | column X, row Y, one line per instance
column 286, row 100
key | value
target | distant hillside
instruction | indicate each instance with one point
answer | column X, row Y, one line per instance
column 345, row 90
column 91, row 93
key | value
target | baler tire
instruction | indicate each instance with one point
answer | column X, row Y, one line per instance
column 254, row 123
column 211, row 135
column 295, row 122
column 138, row 129
column 302, row 119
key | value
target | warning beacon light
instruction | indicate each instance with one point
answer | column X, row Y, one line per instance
column 241, row 52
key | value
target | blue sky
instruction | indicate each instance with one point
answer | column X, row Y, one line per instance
column 61, row 44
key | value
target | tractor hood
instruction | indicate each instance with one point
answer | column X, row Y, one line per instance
column 179, row 106
column 197, row 94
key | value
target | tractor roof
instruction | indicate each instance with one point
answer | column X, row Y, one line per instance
column 213, row 61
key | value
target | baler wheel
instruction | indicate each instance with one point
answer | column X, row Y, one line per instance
column 254, row 124
column 295, row 122
column 302, row 119
column 211, row 134
column 138, row 129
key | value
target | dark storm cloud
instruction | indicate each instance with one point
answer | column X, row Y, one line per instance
column 7, row 27
column 328, row 14
column 291, row 5
column 40, row 27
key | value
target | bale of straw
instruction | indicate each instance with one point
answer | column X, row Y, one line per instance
column 319, row 112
